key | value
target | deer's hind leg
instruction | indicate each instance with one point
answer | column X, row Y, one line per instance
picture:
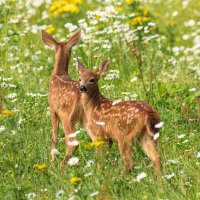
column 149, row 147
column 54, row 136
column 71, row 143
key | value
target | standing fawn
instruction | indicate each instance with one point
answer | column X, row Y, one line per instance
column 123, row 121
column 64, row 95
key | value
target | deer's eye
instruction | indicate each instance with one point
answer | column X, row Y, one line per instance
column 79, row 79
column 92, row 80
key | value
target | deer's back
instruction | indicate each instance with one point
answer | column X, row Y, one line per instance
column 109, row 118
column 64, row 96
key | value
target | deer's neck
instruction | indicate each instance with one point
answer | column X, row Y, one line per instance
column 89, row 101
column 61, row 63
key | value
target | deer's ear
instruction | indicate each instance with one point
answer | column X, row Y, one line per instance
column 48, row 39
column 103, row 68
column 81, row 67
column 74, row 39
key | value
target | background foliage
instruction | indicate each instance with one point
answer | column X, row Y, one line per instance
column 165, row 33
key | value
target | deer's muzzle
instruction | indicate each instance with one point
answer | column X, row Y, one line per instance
column 83, row 88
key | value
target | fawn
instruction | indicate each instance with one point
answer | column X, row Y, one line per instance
column 64, row 95
column 122, row 121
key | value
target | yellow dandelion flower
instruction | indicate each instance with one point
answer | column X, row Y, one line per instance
column 129, row 2
column 170, row 22
column 75, row 180
column 6, row 113
column 146, row 19
column 39, row 167
column 98, row 143
column 61, row 6
column 98, row 17
column 120, row 9
column 50, row 29
column 156, row 14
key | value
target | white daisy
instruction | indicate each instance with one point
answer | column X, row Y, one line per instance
column 94, row 194
column 59, row 194
column 169, row 176
column 141, row 176
column 73, row 161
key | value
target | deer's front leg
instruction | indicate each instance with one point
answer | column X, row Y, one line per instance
column 54, row 136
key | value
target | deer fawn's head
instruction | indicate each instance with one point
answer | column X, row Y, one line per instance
column 88, row 79
column 63, row 49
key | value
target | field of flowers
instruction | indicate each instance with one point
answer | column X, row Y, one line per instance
column 154, row 51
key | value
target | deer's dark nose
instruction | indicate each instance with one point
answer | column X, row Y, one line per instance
column 83, row 88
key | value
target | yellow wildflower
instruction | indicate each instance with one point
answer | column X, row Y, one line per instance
column 120, row 9
column 98, row 17
column 170, row 22
column 97, row 143
column 61, row 6
column 143, row 9
column 50, row 29
column 156, row 14
column 129, row 2
column 39, row 167
column 6, row 113
column 75, row 180
column 139, row 20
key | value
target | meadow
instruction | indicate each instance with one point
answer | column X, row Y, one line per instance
column 154, row 51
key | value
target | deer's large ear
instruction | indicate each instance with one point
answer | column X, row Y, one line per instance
column 48, row 39
column 81, row 67
column 74, row 39
column 103, row 68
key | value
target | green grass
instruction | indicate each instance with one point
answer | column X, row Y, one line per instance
column 168, row 90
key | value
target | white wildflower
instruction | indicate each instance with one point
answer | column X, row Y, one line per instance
column 73, row 143
column 88, row 174
column 54, row 152
column 151, row 24
column 31, row 195
column 134, row 79
column 169, row 176
column 175, row 13
column 198, row 155
column 185, row 37
column 13, row 132
column 59, row 194
column 181, row 136
column 73, row 161
column 156, row 136
column 191, row 22
column 141, row 176
column 94, row 194
column 11, row 96
column 2, row 128
column 100, row 123
column 185, row 141
column 71, row 198
column 159, row 125
column 89, row 163
column 192, row 89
